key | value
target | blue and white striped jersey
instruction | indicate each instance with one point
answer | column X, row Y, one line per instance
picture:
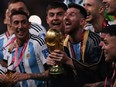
column 35, row 29
column 4, row 40
column 33, row 60
column 38, row 30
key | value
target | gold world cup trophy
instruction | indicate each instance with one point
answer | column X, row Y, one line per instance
column 54, row 41
column 9, row 74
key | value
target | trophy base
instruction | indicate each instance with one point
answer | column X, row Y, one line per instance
column 55, row 70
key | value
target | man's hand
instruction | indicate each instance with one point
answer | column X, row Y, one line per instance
column 5, row 81
column 16, row 77
column 58, row 56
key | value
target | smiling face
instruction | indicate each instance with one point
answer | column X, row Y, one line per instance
column 93, row 9
column 72, row 20
column 109, row 48
column 110, row 6
column 18, row 6
column 20, row 25
column 55, row 18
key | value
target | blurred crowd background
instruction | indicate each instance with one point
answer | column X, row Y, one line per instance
column 36, row 7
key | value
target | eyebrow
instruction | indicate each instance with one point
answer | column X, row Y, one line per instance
column 105, row 41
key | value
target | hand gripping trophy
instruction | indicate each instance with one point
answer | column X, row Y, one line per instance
column 54, row 41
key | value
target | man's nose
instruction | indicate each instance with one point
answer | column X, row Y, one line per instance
column 20, row 25
column 104, row 1
column 55, row 17
column 101, row 43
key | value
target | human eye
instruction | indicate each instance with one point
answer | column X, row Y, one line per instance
column 89, row 4
column 72, row 14
column 13, row 10
column 24, row 22
column 16, row 22
column 60, row 14
column 51, row 14
column 105, row 42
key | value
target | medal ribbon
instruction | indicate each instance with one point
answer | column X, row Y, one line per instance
column 21, row 55
column 112, row 79
column 9, row 43
column 105, row 83
column 7, row 34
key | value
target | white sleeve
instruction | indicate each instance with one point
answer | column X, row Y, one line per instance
column 37, row 30
column 41, row 52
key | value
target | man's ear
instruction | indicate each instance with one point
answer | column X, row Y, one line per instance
column 7, row 18
column 101, row 9
column 29, row 25
column 47, row 19
column 83, row 22
column 28, row 13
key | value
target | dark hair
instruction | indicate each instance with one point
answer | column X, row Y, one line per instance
column 17, row 13
column 104, row 30
column 111, row 30
column 56, row 4
column 82, row 10
column 15, row 1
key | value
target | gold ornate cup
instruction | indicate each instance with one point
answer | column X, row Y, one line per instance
column 54, row 41
column 9, row 74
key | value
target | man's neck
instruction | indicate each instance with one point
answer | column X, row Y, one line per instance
column 77, row 36
column 9, row 29
column 98, row 24
column 20, row 42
